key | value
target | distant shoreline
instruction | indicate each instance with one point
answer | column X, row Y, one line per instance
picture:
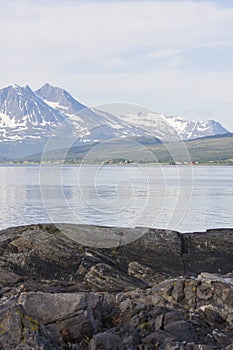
column 118, row 164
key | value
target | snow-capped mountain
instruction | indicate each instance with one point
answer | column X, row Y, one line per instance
column 191, row 129
column 90, row 125
column 29, row 119
column 173, row 128
column 24, row 116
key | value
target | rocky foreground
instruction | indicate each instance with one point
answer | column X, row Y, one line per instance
column 164, row 290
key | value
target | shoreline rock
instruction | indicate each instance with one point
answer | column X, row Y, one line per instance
column 165, row 290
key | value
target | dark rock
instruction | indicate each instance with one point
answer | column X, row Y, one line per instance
column 18, row 330
column 223, row 339
column 211, row 315
column 131, row 340
column 192, row 346
column 161, row 337
column 170, row 344
column 150, row 340
column 153, row 250
column 181, row 330
column 44, row 253
column 144, row 273
column 74, row 316
column 106, row 341
column 104, row 277
column 173, row 316
column 208, row 251
column 8, row 278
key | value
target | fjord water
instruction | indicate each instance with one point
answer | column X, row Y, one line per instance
column 182, row 198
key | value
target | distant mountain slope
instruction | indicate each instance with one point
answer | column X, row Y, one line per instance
column 212, row 148
column 217, row 148
column 207, row 149
column 191, row 129
column 215, row 137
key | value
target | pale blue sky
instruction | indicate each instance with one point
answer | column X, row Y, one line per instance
column 175, row 57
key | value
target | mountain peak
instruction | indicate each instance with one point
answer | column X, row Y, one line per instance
column 50, row 92
column 16, row 88
column 23, row 115
column 59, row 99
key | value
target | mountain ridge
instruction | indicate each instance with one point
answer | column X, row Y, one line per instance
column 29, row 118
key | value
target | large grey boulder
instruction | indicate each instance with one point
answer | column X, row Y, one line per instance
column 20, row 331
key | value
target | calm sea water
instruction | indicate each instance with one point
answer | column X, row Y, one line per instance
column 183, row 198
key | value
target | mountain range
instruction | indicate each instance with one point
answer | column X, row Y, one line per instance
column 29, row 119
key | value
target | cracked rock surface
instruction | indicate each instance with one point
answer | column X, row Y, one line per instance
column 164, row 290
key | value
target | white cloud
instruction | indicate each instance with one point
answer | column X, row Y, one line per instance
column 163, row 53
column 198, row 95
column 54, row 41
column 95, row 30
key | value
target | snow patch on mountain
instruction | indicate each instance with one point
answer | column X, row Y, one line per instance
column 154, row 124
column 191, row 129
column 59, row 99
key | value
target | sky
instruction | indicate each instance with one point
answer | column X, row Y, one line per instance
column 173, row 57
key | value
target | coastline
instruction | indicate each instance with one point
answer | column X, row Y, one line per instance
column 211, row 163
